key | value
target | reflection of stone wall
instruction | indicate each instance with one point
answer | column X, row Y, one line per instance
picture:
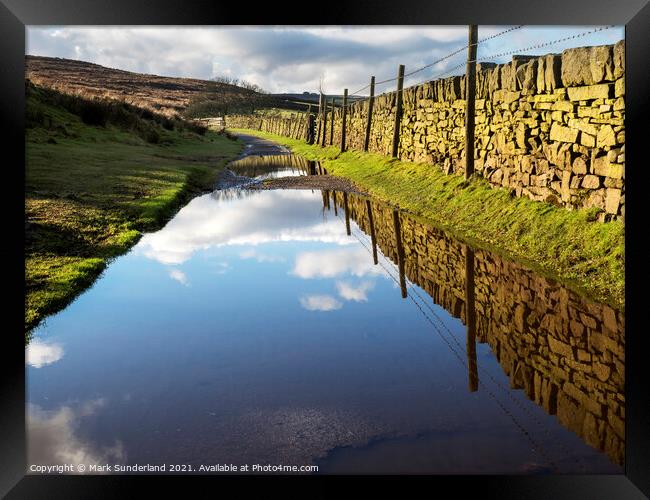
column 566, row 352
column 550, row 128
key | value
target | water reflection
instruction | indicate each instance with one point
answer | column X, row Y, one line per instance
column 270, row 327
column 40, row 353
column 54, row 439
column 253, row 218
column 275, row 166
column 564, row 351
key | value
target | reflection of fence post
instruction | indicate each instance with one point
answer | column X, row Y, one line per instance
column 336, row 213
column 470, row 96
column 326, row 194
column 332, row 124
column 347, row 213
column 400, row 252
column 470, row 319
column 343, row 124
column 371, row 102
column 398, row 110
column 373, row 237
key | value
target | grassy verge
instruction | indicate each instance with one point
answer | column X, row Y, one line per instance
column 567, row 245
column 96, row 177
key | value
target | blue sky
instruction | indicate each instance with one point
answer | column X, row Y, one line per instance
column 296, row 59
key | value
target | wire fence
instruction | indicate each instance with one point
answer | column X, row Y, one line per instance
column 357, row 97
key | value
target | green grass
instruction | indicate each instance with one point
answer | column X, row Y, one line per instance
column 91, row 191
column 567, row 245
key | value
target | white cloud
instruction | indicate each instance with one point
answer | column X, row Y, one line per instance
column 255, row 218
column 288, row 59
column 320, row 303
column 179, row 276
column 358, row 293
column 41, row 353
column 251, row 253
column 52, row 437
column 332, row 263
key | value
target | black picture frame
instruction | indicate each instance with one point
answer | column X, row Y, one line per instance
column 16, row 14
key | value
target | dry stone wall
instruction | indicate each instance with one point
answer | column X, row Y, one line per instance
column 551, row 128
column 566, row 352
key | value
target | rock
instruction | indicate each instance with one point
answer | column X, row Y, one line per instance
column 590, row 92
column 563, row 134
column 619, row 59
column 612, row 200
column 619, row 104
column 576, row 67
column 602, row 371
column 526, row 76
column 619, row 87
column 606, row 136
column 609, row 319
column 559, row 347
column 520, row 136
column 579, row 166
column 601, row 63
column 552, row 71
column 587, row 140
column 591, row 182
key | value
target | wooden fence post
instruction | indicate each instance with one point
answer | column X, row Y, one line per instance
column 324, row 121
column 371, row 102
column 320, row 118
column 398, row 110
column 470, row 96
column 308, row 117
column 343, row 124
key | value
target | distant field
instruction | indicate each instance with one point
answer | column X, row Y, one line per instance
column 187, row 97
column 97, row 175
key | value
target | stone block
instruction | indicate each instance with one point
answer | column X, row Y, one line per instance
column 619, row 59
column 583, row 126
column 565, row 106
column 612, row 200
column 579, row 166
column 526, row 76
column 619, row 87
column 559, row 347
column 619, row 104
column 591, row 182
column 601, row 63
column 587, row 140
column 606, row 136
column 563, row 134
column 590, row 92
column 576, row 67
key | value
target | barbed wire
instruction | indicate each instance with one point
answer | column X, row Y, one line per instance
column 478, row 59
column 502, row 54
column 545, row 44
column 444, row 58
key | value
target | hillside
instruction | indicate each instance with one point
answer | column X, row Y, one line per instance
column 165, row 95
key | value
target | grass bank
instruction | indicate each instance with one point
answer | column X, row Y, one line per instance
column 97, row 176
column 568, row 245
